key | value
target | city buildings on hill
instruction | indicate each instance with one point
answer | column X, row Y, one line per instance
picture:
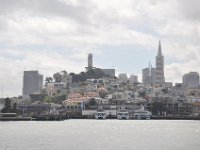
column 109, row 72
column 32, row 83
column 191, row 80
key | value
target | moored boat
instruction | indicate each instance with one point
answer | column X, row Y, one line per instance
column 100, row 115
column 142, row 114
column 123, row 115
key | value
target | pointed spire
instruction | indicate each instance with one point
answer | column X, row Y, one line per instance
column 149, row 64
column 150, row 68
column 159, row 49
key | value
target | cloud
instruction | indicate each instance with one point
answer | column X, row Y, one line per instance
column 52, row 35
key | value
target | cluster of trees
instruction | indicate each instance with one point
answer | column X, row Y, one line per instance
column 95, row 73
column 83, row 76
column 57, row 77
column 55, row 99
column 7, row 108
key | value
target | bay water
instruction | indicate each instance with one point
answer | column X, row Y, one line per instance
column 100, row 135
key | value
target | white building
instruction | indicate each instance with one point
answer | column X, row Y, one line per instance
column 191, row 80
column 133, row 79
column 123, row 78
column 54, row 88
column 32, row 83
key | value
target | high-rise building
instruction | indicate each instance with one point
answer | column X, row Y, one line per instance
column 148, row 75
column 90, row 61
column 32, row 83
column 123, row 78
column 191, row 80
column 159, row 75
column 133, row 79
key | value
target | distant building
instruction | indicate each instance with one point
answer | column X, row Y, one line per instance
column 152, row 75
column 123, row 78
column 133, row 79
column 159, row 77
column 191, row 80
column 32, row 83
column 90, row 61
column 148, row 75
column 110, row 72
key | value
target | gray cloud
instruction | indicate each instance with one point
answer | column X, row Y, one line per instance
column 44, row 8
column 190, row 9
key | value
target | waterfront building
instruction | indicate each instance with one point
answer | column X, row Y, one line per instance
column 159, row 77
column 191, row 80
column 32, row 83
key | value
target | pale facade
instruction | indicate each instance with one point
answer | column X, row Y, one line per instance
column 191, row 80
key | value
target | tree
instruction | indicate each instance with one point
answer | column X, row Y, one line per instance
column 49, row 79
column 102, row 92
column 7, row 107
column 57, row 77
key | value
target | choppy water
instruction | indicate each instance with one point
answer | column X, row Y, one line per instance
column 100, row 135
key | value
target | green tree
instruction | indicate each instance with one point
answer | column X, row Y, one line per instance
column 57, row 77
column 7, row 107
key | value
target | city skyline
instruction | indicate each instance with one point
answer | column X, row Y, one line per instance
column 54, row 35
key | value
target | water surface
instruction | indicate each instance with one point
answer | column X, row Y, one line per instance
column 100, row 135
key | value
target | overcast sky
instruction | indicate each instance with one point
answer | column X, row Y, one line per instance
column 55, row 35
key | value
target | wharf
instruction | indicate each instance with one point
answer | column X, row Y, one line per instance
column 49, row 117
column 15, row 118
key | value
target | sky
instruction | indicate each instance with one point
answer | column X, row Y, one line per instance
column 55, row 35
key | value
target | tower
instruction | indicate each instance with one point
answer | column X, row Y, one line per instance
column 148, row 75
column 90, row 61
column 32, row 83
column 159, row 75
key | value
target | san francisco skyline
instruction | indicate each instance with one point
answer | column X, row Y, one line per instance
column 55, row 35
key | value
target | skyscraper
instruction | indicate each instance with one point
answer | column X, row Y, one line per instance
column 148, row 75
column 191, row 80
column 32, row 83
column 159, row 75
column 90, row 61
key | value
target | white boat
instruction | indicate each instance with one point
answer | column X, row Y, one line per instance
column 142, row 114
column 100, row 115
column 123, row 115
